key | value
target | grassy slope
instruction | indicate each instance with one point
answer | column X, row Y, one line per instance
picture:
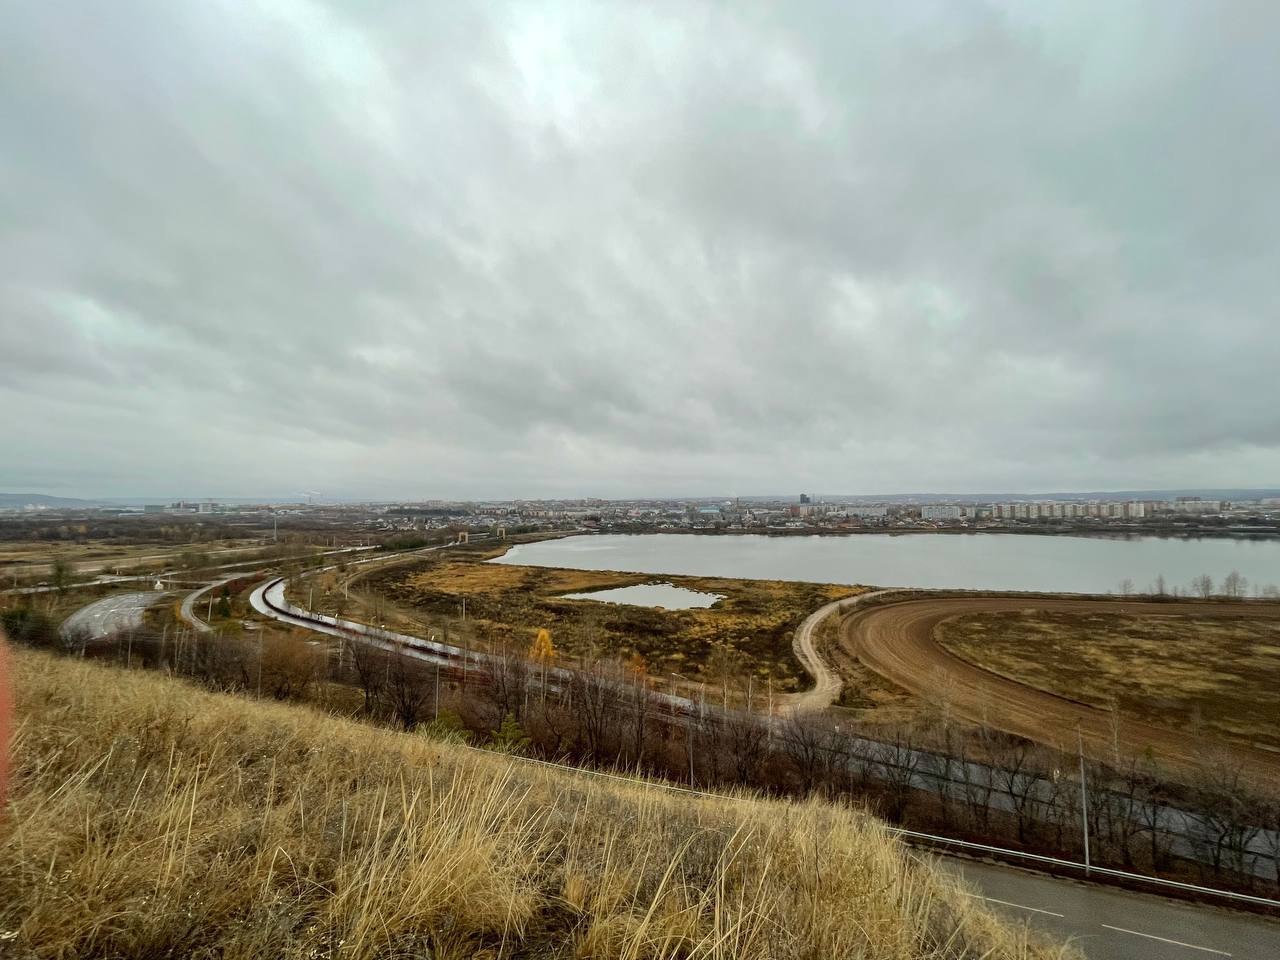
column 149, row 818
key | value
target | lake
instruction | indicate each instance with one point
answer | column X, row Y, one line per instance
column 664, row 595
column 978, row 561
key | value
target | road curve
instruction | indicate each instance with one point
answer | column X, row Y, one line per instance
column 827, row 683
column 188, row 609
column 897, row 641
column 120, row 611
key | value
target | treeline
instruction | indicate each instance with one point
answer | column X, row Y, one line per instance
column 929, row 775
column 1234, row 586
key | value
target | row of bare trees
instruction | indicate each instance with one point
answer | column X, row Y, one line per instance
column 930, row 775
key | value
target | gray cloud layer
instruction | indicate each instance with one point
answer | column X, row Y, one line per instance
column 430, row 249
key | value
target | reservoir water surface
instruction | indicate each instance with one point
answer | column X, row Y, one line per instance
column 664, row 595
column 977, row 561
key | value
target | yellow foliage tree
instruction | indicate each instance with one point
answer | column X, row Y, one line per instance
column 541, row 649
column 638, row 666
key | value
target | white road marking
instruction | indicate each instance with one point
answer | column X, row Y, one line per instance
column 1006, row 903
column 1176, row 943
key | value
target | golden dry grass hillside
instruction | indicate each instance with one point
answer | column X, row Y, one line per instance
column 152, row 819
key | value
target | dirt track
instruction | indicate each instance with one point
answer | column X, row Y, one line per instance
column 897, row 641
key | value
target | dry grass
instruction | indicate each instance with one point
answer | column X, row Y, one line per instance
column 150, row 819
column 31, row 557
column 1217, row 675
column 749, row 631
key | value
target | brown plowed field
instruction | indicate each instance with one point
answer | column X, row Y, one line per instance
column 897, row 641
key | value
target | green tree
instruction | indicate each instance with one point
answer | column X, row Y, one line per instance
column 448, row 727
column 509, row 737
column 61, row 574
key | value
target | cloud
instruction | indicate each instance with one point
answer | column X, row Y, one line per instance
column 538, row 248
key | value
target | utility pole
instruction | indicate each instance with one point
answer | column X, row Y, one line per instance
column 1084, row 801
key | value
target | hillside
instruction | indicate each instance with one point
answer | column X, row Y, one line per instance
column 149, row 818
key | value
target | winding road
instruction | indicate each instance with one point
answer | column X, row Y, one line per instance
column 897, row 641
column 827, row 683
column 120, row 611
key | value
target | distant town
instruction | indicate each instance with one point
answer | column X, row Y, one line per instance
column 798, row 514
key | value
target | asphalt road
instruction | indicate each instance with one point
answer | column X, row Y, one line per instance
column 108, row 615
column 188, row 603
column 897, row 641
column 1109, row 924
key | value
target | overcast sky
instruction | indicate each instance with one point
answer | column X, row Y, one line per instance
column 487, row 250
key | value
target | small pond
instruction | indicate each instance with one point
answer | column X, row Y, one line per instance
column 664, row 595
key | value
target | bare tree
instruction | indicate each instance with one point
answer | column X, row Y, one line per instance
column 593, row 702
column 899, row 762
column 1202, row 586
column 1269, row 818
column 369, row 665
column 1011, row 757
column 1235, row 585
column 1153, row 812
column 407, row 691
column 505, row 677
column 1227, row 813
column 803, row 742
column 289, row 665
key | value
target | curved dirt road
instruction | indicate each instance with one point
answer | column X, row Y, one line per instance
column 897, row 641
column 827, row 683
